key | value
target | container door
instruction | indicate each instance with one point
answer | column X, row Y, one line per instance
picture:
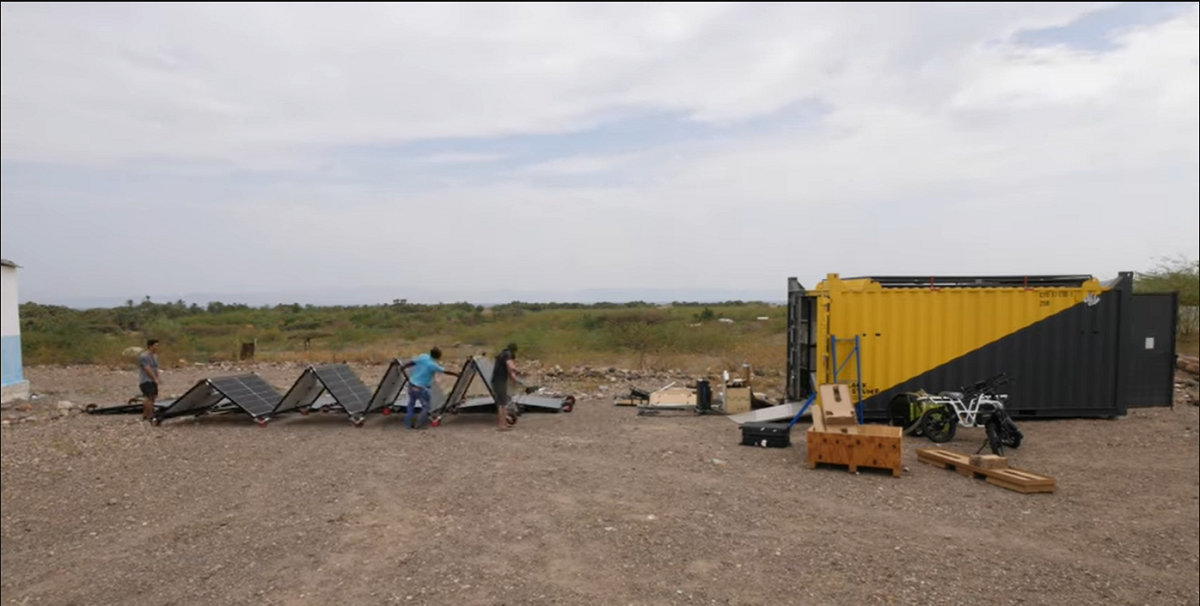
column 801, row 343
column 1152, row 350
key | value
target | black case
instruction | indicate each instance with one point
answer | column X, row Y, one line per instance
column 767, row 435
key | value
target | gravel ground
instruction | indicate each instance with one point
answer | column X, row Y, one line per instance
column 599, row 506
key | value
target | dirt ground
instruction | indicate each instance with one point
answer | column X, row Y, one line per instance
column 599, row 506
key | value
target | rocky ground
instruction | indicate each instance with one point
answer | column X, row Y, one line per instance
column 599, row 506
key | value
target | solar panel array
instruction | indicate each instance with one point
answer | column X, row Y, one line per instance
column 249, row 392
column 345, row 387
column 259, row 399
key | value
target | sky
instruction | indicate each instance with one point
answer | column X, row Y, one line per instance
column 360, row 153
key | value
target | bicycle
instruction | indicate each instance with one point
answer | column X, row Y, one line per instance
column 978, row 406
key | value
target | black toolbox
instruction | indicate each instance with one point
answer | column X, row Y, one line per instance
column 767, row 435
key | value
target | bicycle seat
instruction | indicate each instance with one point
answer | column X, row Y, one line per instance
column 953, row 395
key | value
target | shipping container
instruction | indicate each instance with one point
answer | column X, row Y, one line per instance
column 1073, row 346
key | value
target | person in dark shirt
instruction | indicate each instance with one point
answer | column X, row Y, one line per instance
column 504, row 375
column 148, row 378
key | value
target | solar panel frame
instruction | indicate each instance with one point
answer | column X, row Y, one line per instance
column 302, row 394
column 349, row 391
column 390, row 386
column 469, row 372
column 199, row 398
column 249, row 392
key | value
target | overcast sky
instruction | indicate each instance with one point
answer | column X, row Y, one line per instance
column 368, row 152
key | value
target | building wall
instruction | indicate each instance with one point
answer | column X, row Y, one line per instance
column 10, row 330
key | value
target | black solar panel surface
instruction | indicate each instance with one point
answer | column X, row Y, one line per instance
column 345, row 386
column 249, row 392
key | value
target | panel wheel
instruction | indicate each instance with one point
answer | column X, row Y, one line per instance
column 261, row 421
column 358, row 422
column 569, row 404
column 435, row 422
column 386, row 411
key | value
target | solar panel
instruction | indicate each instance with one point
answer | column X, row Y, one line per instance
column 390, row 386
column 303, row 394
column 345, row 387
column 470, row 372
column 249, row 392
column 200, row 397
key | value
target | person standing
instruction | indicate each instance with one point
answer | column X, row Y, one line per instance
column 148, row 378
column 419, row 383
column 504, row 375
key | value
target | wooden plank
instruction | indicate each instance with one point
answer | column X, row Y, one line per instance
column 1019, row 488
column 1011, row 478
column 988, row 462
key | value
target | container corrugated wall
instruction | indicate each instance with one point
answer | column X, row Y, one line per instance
column 1060, row 344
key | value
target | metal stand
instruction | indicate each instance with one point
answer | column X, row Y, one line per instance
column 839, row 364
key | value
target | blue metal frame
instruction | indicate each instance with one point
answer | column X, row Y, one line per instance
column 839, row 364
column 812, row 397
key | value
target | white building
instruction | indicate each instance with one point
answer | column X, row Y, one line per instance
column 13, row 385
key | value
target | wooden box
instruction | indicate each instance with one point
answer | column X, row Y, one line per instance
column 875, row 446
column 737, row 400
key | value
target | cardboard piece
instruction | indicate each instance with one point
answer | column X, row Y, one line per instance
column 674, row 396
column 837, row 408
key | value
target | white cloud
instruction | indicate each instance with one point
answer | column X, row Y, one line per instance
column 946, row 145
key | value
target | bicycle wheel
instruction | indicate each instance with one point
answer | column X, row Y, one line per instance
column 939, row 424
column 992, row 427
column 1009, row 434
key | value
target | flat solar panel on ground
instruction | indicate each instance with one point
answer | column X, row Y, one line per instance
column 345, row 387
column 249, row 392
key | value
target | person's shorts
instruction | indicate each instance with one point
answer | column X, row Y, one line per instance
column 501, row 389
column 149, row 389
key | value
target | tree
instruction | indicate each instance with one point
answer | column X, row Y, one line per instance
column 1180, row 275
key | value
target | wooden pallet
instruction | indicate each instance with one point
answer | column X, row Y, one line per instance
column 1019, row 480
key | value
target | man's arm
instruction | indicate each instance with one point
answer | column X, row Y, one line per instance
column 150, row 372
column 512, row 371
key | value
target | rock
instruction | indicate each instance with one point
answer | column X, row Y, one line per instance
column 131, row 352
column 66, row 406
column 1188, row 364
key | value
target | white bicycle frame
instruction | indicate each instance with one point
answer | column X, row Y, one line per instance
column 968, row 413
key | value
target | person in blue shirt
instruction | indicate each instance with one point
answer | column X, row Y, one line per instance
column 420, row 379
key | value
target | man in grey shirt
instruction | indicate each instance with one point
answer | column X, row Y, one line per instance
column 148, row 379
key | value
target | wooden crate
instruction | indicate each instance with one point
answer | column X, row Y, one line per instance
column 1019, row 480
column 737, row 400
column 857, row 446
